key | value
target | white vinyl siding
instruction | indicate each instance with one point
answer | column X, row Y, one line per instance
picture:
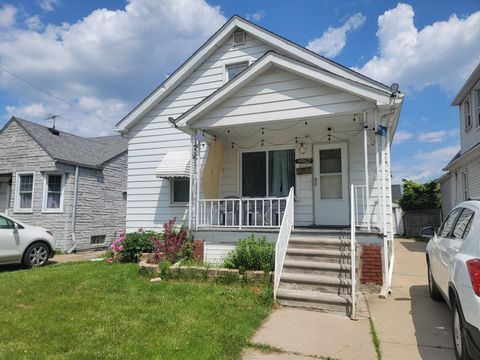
column 470, row 138
column 149, row 199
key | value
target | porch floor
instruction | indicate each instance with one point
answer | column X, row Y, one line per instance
column 313, row 229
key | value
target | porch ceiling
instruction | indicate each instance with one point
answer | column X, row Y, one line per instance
column 287, row 132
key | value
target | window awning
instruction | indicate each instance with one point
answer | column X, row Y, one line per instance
column 174, row 164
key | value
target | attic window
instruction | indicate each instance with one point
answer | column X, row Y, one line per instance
column 232, row 70
column 239, row 38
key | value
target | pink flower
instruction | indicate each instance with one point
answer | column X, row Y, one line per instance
column 110, row 260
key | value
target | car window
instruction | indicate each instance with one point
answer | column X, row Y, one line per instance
column 447, row 225
column 460, row 229
column 5, row 223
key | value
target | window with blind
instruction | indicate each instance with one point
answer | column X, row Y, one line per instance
column 268, row 173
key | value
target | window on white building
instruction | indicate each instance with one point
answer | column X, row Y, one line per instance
column 53, row 193
column 468, row 115
column 232, row 70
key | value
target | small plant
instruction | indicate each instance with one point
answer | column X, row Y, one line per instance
column 174, row 244
column 136, row 243
column 252, row 254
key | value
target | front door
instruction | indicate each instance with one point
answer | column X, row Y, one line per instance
column 331, row 184
column 4, row 194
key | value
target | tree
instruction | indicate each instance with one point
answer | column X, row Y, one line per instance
column 420, row 196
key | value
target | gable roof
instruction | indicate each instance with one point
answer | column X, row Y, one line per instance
column 211, row 45
column 72, row 149
column 467, row 87
column 379, row 97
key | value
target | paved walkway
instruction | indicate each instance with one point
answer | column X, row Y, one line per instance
column 409, row 324
column 80, row 256
column 303, row 334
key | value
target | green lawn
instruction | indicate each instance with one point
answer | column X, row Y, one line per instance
column 99, row 311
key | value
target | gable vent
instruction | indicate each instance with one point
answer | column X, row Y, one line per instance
column 239, row 37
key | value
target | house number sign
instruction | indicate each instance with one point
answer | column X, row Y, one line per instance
column 304, row 161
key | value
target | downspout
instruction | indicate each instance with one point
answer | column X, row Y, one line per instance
column 365, row 151
column 190, row 199
column 74, row 212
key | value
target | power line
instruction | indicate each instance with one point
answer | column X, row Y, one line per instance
column 45, row 91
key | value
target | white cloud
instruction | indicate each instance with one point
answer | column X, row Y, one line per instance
column 256, row 16
column 424, row 165
column 402, row 136
column 437, row 136
column 48, row 5
column 33, row 23
column 443, row 53
column 7, row 16
column 105, row 63
column 333, row 40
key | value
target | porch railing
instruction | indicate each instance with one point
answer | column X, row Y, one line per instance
column 282, row 240
column 246, row 212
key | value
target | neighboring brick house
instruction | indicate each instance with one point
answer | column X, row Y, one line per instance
column 72, row 185
column 462, row 180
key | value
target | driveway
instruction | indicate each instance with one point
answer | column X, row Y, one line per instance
column 409, row 324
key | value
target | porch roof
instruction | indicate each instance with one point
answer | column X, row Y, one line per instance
column 272, row 59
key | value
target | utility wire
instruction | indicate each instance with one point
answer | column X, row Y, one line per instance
column 45, row 91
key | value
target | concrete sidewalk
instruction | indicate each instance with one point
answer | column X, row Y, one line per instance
column 409, row 324
column 80, row 256
column 303, row 334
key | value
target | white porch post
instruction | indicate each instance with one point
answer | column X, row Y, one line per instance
column 384, row 214
column 365, row 152
column 191, row 196
column 198, row 148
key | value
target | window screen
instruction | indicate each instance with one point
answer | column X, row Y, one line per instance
column 254, row 174
column 97, row 239
column 181, row 190
column 331, row 174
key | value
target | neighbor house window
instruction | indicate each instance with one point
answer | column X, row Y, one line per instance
column 478, row 106
column 97, row 239
column 24, row 192
column 53, row 192
column 468, row 115
column 269, row 173
column 180, row 190
column 232, row 70
column 465, row 185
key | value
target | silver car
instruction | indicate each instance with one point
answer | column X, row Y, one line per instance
column 20, row 243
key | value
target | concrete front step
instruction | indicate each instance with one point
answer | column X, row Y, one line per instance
column 318, row 242
column 315, row 300
column 334, row 253
column 316, row 267
column 316, row 283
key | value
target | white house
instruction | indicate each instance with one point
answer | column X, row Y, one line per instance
column 255, row 134
column 462, row 180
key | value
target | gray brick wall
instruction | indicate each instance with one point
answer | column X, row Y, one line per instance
column 100, row 203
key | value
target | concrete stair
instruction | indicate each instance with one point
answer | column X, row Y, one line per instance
column 317, row 272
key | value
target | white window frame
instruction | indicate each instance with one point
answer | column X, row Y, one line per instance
column 477, row 106
column 467, row 113
column 266, row 150
column 17, row 208
column 172, row 192
column 248, row 61
column 45, row 192
column 464, row 182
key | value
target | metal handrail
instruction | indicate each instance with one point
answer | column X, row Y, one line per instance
column 353, row 255
column 282, row 240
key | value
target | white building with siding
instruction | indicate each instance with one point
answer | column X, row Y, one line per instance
column 462, row 180
column 248, row 116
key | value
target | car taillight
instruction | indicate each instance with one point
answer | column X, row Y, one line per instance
column 473, row 266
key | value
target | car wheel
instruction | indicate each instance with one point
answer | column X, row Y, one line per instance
column 458, row 331
column 432, row 286
column 36, row 255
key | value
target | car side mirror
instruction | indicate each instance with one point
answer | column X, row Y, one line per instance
column 427, row 232
column 15, row 227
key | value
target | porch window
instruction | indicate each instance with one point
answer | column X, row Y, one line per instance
column 180, row 190
column 24, row 193
column 269, row 172
column 53, row 192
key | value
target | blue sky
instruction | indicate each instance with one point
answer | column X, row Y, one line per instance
column 103, row 57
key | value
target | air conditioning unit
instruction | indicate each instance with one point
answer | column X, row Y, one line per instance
column 239, row 37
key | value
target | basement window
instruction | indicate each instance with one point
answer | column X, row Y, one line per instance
column 97, row 239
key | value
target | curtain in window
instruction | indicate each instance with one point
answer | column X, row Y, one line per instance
column 54, row 193
column 281, row 166
column 26, row 190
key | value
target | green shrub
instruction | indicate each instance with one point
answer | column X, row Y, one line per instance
column 252, row 254
column 137, row 243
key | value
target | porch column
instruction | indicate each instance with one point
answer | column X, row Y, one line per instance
column 365, row 155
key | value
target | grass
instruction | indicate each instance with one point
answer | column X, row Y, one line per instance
column 375, row 340
column 100, row 311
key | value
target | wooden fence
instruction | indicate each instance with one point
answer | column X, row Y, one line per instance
column 414, row 220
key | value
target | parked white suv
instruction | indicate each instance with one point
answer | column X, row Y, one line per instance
column 21, row 243
column 453, row 259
